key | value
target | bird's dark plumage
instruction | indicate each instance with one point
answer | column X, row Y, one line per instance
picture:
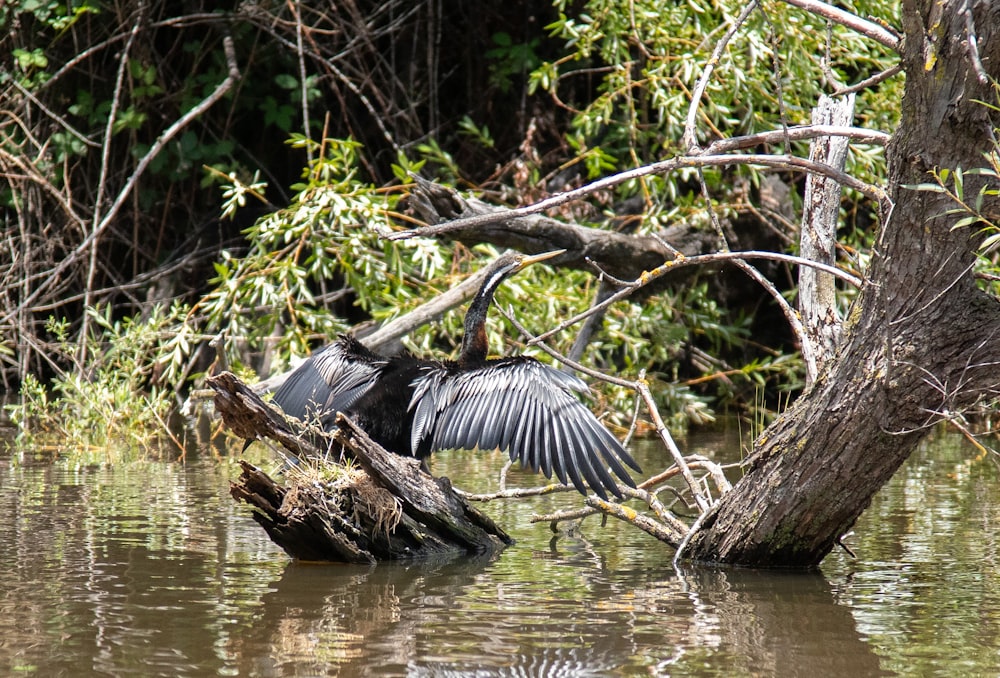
column 414, row 407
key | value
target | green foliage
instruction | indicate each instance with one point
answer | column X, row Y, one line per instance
column 54, row 14
column 446, row 168
column 970, row 210
column 310, row 261
column 650, row 55
column 508, row 59
column 111, row 407
column 480, row 135
column 308, row 264
column 286, row 293
column 618, row 93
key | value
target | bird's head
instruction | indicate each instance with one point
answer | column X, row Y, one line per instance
column 512, row 262
column 474, row 343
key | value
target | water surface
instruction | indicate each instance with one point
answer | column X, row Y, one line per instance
column 150, row 569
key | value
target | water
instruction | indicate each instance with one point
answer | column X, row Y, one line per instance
column 150, row 569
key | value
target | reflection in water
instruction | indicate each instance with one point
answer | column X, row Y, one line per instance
column 150, row 569
column 464, row 618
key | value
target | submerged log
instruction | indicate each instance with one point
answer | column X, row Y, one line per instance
column 381, row 506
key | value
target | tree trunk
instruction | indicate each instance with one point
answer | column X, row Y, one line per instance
column 921, row 341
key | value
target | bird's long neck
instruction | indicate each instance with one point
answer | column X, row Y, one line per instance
column 475, row 346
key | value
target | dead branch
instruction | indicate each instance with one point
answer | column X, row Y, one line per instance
column 818, row 240
column 384, row 507
column 107, row 219
column 863, row 26
column 713, row 156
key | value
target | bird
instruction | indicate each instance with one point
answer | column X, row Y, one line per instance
column 413, row 406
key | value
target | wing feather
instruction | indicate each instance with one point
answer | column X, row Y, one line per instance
column 524, row 408
column 583, row 457
column 550, row 434
column 330, row 381
column 568, row 455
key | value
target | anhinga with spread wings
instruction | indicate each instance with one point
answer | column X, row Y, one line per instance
column 414, row 407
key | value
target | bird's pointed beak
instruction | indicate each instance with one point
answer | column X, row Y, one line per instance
column 535, row 258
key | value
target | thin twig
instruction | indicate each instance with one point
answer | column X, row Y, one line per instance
column 643, row 522
column 779, row 92
column 303, row 82
column 806, row 345
column 642, row 386
column 52, row 114
column 844, row 18
column 699, row 260
column 971, row 42
column 687, row 537
column 533, row 340
column 102, row 181
column 689, row 140
column 154, row 150
column 515, row 492
column 870, row 82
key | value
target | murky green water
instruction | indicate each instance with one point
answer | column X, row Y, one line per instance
column 152, row 570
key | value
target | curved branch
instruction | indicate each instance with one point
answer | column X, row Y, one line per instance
column 708, row 159
column 867, row 28
column 168, row 134
column 690, row 137
column 649, row 276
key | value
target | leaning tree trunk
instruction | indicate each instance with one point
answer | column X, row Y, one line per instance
column 921, row 341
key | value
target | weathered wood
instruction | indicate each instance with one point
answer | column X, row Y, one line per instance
column 385, row 507
column 298, row 520
column 431, row 501
column 251, row 418
column 623, row 255
column 818, row 236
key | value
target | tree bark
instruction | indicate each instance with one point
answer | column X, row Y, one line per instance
column 920, row 342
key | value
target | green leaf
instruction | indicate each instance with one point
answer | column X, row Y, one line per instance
column 286, row 81
column 502, row 39
column 966, row 221
column 929, row 188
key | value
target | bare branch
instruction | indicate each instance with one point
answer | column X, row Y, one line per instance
column 786, row 162
column 971, row 43
column 52, row 114
column 690, row 138
column 870, row 82
column 643, row 522
column 154, row 150
column 649, row 276
column 642, row 386
column 818, row 238
column 806, row 345
column 863, row 26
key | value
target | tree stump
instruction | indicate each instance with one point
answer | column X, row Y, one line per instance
column 383, row 507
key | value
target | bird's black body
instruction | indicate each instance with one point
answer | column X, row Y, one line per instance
column 413, row 407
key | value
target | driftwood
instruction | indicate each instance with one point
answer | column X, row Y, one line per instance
column 381, row 506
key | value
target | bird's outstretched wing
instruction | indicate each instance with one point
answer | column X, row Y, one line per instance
column 524, row 408
column 330, row 381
